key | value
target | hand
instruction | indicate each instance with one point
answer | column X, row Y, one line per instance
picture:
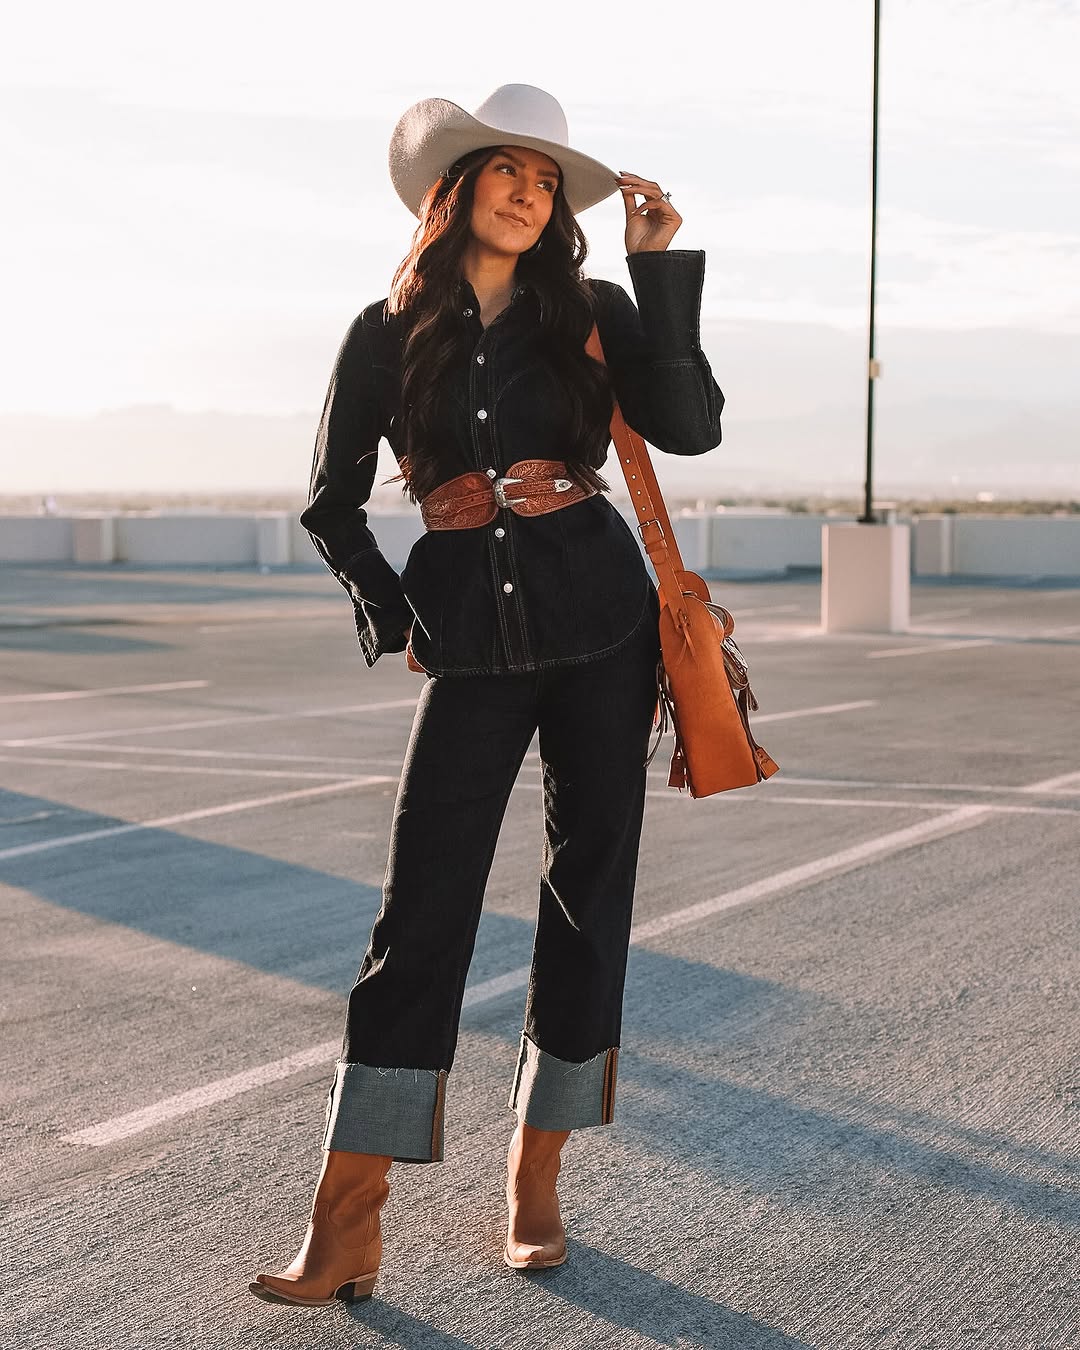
column 651, row 226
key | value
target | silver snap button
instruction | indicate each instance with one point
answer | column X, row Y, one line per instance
column 499, row 532
column 482, row 415
column 467, row 313
column 480, row 359
column 491, row 473
column 508, row 586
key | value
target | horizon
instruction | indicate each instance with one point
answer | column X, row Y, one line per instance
column 234, row 214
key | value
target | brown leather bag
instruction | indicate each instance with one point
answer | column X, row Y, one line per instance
column 703, row 684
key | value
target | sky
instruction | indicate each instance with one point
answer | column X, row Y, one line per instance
column 198, row 205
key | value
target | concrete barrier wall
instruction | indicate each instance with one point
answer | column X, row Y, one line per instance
column 35, row 539
column 186, row 538
column 733, row 541
column 773, row 542
column 1031, row 546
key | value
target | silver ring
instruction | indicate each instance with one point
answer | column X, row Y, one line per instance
column 665, row 196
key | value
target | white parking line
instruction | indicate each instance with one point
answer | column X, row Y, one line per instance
column 936, row 614
column 934, row 647
column 963, row 818
column 197, row 1099
column 1050, row 785
column 353, row 762
column 771, row 798
column 1002, row 808
column 237, row 720
column 203, row 770
column 1065, row 780
column 822, row 711
column 102, row 693
column 166, row 822
column 69, row 743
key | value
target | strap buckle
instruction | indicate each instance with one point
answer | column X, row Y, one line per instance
column 499, row 488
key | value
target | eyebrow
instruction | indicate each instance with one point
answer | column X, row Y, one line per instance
column 521, row 163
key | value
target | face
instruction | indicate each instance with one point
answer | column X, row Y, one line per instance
column 512, row 199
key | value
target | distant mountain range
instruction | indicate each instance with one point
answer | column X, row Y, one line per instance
column 992, row 411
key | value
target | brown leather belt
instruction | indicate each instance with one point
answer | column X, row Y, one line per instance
column 531, row 487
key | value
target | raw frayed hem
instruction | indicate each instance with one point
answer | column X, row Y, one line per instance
column 398, row 1112
column 557, row 1094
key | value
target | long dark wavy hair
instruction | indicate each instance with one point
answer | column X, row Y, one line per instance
column 425, row 293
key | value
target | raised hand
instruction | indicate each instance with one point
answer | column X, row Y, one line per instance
column 651, row 225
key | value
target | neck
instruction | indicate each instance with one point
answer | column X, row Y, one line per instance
column 491, row 275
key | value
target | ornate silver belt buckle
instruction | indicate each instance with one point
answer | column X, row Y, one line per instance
column 499, row 488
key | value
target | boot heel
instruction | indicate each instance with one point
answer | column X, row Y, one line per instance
column 357, row 1290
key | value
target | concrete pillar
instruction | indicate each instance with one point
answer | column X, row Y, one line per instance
column 273, row 539
column 933, row 546
column 865, row 578
column 93, row 539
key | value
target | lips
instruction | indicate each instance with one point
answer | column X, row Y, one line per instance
column 509, row 215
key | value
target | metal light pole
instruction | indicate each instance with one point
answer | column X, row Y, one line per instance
column 873, row 368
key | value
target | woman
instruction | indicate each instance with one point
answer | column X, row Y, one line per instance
column 528, row 605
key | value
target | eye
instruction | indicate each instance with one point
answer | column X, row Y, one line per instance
column 548, row 184
column 508, row 167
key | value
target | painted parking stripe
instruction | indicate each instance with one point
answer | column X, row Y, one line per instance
column 1063, row 781
column 933, row 647
column 103, row 693
column 166, row 822
column 203, row 770
column 240, row 719
column 823, row 710
column 197, row 1099
column 68, row 742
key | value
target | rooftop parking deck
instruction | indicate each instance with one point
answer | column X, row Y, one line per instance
column 847, row 1111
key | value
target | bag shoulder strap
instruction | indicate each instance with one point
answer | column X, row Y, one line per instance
column 654, row 524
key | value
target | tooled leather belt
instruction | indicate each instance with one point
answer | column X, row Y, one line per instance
column 531, row 487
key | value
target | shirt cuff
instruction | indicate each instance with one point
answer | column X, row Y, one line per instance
column 668, row 287
column 370, row 579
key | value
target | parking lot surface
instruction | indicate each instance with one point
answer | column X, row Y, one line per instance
column 848, row 1109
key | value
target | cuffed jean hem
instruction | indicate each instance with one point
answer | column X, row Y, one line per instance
column 556, row 1094
column 398, row 1112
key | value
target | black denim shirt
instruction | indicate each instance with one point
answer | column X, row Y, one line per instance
column 523, row 593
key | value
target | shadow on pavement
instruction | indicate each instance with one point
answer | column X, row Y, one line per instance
column 635, row 1300
column 312, row 927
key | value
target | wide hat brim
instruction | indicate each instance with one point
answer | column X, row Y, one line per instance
column 434, row 133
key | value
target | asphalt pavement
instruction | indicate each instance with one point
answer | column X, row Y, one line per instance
column 848, row 1108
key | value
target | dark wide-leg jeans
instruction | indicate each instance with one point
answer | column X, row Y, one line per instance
column 469, row 738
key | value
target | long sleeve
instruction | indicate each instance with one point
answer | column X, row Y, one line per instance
column 342, row 474
column 660, row 374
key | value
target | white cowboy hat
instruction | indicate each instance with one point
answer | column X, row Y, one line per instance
column 433, row 133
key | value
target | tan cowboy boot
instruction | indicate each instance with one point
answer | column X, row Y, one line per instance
column 535, row 1237
column 339, row 1257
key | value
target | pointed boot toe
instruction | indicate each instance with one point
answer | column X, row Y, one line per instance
column 339, row 1258
column 535, row 1236
column 277, row 1289
column 529, row 1256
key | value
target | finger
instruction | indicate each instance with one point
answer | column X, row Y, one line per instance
column 652, row 194
column 636, row 178
column 658, row 210
column 652, row 191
